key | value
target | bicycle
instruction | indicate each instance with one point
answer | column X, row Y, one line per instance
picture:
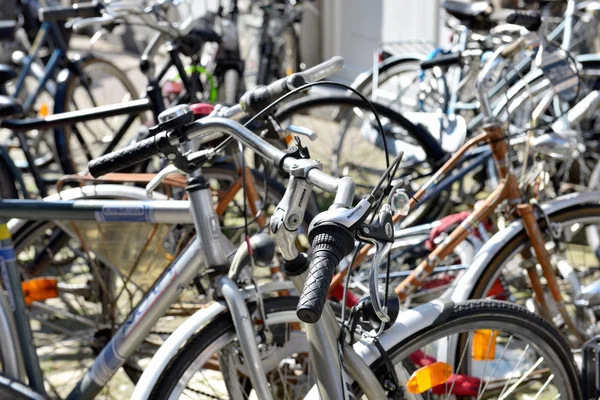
column 188, row 264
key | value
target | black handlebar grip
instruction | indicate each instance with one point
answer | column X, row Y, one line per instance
column 260, row 97
column 128, row 156
column 330, row 245
column 79, row 10
column 530, row 20
column 445, row 60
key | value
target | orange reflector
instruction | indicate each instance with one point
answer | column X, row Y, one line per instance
column 428, row 377
column 39, row 289
column 44, row 110
column 484, row 345
column 289, row 139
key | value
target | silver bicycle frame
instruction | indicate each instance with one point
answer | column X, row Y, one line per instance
column 208, row 250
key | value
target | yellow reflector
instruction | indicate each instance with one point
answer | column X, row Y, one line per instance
column 289, row 71
column 44, row 110
column 428, row 377
column 484, row 345
column 39, row 289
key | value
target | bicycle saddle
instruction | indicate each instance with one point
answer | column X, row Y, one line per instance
column 477, row 12
column 201, row 33
column 9, row 106
column 8, row 29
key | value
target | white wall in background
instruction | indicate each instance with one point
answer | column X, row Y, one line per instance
column 355, row 28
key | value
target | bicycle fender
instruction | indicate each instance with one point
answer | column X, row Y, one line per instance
column 171, row 346
column 407, row 324
column 463, row 288
column 10, row 349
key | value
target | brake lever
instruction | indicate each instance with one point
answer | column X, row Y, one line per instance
column 381, row 235
column 160, row 177
column 192, row 161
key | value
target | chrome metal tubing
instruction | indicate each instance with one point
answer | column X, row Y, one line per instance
column 211, row 125
column 246, row 336
column 208, row 227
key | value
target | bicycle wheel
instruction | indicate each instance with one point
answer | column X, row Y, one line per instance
column 572, row 244
column 229, row 87
column 197, row 373
column 104, row 84
column 39, row 141
column 397, row 84
column 287, row 53
column 361, row 156
column 492, row 350
column 194, row 372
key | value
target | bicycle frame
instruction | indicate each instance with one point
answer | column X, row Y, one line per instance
column 48, row 31
column 507, row 190
column 156, row 211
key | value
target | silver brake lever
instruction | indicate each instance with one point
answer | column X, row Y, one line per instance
column 300, row 130
column 381, row 252
column 161, row 176
column 381, row 235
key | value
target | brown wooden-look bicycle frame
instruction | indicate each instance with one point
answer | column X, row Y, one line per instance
column 508, row 190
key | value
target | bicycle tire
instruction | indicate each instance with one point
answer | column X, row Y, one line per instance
column 490, row 314
column 63, row 137
column 568, row 217
column 217, row 329
column 229, row 87
column 8, row 189
column 499, row 315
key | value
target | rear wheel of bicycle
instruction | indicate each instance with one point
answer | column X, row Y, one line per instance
column 362, row 156
column 519, row 353
column 106, row 84
column 573, row 247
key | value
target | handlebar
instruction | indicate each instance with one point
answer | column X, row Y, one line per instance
column 79, row 10
column 158, row 144
column 331, row 241
column 84, row 23
column 260, row 97
column 129, row 156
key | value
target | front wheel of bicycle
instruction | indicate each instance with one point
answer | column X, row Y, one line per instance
column 493, row 349
column 522, row 354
